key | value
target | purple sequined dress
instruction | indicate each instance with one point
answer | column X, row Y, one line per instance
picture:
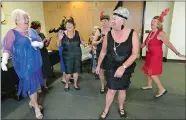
column 26, row 60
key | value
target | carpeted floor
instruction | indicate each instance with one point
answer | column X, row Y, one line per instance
column 88, row 103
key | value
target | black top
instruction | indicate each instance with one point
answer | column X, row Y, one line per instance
column 123, row 52
column 44, row 49
column 46, row 67
column 71, row 46
column 99, row 46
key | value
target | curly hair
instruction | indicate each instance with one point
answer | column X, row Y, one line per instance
column 70, row 20
column 19, row 14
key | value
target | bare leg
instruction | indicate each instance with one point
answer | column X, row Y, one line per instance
column 102, row 79
column 158, row 83
column 67, row 77
column 45, row 83
column 63, row 75
column 34, row 101
column 149, row 81
column 121, row 98
column 109, row 99
column 75, row 76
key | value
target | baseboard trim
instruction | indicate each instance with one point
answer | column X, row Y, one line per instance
column 173, row 60
column 167, row 60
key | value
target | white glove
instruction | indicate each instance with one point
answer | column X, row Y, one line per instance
column 36, row 44
column 5, row 57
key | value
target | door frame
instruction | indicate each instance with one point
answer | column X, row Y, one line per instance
column 142, row 31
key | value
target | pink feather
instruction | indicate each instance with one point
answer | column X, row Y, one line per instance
column 101, row 14
column 163, row 14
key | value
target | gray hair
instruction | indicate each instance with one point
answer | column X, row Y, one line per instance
column 122, row 12
column 18, row 14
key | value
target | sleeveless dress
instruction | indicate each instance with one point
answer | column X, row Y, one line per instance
column 154, row 54
column 46, row 67
column 113, row 61
column 72, row 53
column 26, row 60
column 98, row 50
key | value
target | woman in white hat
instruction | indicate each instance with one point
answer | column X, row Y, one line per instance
column 121, row 48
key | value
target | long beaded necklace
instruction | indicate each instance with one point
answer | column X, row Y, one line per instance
column 116, row 47
column 150, row 38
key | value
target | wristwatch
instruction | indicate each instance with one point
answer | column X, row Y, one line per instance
column 124, row 67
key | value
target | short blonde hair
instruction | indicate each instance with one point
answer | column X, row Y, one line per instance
column 19, row 14
column 160, row 25
column 94, row 29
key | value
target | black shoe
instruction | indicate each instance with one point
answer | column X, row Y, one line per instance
column 46, row 89
column 102, row 91
column 121, row 113
column 67, row 89
column 96, row 77
column 101, row 118
column 78, row 88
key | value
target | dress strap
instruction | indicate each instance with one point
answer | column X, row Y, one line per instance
column 99, row 30
column 131, row 33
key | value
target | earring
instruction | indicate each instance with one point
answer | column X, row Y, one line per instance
column 122, row 27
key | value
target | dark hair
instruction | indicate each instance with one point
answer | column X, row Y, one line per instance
column 160, row 25
column 70, row 20
column 35, row 24
column 61, row 27
column 105, row 17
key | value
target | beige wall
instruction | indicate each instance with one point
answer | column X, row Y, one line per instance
column 86, row 18
column 177, row 31
column 35, row 10
column 85, row 14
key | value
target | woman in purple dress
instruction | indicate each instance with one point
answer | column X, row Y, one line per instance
column 23, row 44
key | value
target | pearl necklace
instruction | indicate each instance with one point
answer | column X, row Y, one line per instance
column 150, row 37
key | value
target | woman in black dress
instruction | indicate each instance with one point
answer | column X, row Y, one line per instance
column 98, row 41
column 46, row 67
column 72, row 55
column 121, row 47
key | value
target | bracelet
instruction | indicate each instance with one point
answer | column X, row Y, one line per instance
column 124, row 67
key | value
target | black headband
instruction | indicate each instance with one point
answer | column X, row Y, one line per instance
column 120, row 15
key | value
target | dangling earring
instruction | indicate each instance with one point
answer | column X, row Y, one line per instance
column 122, row 27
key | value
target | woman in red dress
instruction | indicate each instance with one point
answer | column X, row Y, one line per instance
column 154, row 53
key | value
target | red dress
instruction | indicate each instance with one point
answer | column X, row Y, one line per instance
column 154, row 54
